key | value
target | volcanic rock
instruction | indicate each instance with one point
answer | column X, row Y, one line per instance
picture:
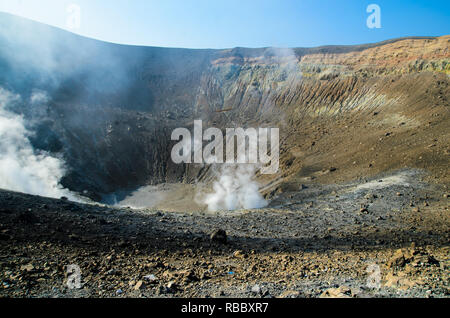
column 219, row 236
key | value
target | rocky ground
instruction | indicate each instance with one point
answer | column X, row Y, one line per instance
column 383, row 237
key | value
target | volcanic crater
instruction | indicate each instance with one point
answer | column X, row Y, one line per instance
column 363, row 178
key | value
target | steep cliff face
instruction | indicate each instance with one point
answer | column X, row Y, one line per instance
column 344, row 112
column 318, row 81
column 111, row 108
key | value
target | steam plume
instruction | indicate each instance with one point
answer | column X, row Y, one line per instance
column 235, row 188
column 21, row 168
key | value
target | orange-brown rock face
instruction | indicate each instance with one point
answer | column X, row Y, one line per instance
column 363, row 109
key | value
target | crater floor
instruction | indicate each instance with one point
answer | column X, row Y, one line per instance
column 315, row 241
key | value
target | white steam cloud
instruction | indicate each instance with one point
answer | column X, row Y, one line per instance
column 22, row 169
column 235, row 188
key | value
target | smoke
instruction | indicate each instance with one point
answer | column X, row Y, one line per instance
column 235, row 188
column 21, row 168
column 65, row 65
column 235, row 184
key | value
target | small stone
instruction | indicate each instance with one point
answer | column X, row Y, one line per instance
column 28, row 267
column 172, row 286
column 188, row 276
column 341, row 292
column 398, row 260
column 151, row 278
column 139, row 285
column 371, row 196
column 239, row 254
column 111, row 272
column 290, row 294
column 219, row 236
column 256, row 289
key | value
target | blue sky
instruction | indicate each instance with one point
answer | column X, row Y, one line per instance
column 247, row 23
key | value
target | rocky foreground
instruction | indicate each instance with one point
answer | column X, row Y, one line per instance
column 385, row 237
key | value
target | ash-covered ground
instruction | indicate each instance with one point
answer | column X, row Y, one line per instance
column 382, row 237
